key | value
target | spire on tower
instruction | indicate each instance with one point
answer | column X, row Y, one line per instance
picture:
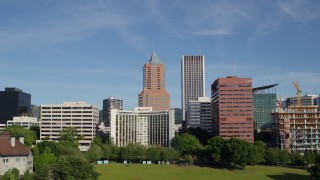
column 154, row 59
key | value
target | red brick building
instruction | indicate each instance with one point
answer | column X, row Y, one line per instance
column 232, row 108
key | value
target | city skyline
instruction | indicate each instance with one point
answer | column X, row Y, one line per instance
column 87, row 51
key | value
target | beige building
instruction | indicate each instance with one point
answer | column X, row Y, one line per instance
column 142, row 126
column 154, row 92
column 14, row 154
column 23, row 121
column 80, row 115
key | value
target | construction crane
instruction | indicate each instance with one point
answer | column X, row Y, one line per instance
column 296, row 84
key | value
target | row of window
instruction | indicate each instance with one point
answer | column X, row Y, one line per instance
column 6, row 160
column 66, row 107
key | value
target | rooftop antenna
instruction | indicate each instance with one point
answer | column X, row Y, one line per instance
column 234, row 67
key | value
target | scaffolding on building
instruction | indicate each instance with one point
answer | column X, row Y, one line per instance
column 297, row 128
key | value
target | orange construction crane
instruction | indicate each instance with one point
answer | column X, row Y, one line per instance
column 296, row 84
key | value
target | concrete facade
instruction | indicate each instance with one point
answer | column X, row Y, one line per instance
column 306, row 100
column 108, row 104
column 142, row 126
column 232, row 108
column 192, row 81
column 80, row 115
column 23, row 121
column 199, row 114
column 297, row 128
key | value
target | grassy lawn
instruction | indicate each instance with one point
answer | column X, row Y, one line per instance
column 166, row 172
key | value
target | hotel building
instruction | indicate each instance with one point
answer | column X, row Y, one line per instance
column 142, row 126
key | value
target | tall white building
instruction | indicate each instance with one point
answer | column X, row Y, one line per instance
column 80, row 115
column 142, row 126
column 192, row 80
column 23, row 121
column 199, row 114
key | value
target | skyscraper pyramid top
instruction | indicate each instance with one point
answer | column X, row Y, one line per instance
column 154, row 59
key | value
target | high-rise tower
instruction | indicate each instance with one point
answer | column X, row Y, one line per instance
column 193, row 80
column 108, row 104
column 154, row 92
column 232, row 108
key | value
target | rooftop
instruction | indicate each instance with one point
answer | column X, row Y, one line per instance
column 6, row 148
column 154, row 59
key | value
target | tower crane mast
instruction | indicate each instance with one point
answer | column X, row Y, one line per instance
column 299, row 91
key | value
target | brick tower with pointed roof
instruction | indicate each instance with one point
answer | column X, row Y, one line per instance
column 154, row 92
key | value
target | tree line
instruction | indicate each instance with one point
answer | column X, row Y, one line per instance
column 63, row 159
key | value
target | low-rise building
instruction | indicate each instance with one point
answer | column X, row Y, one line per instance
column 23, row 121
column 2, row 127
column 14, row 154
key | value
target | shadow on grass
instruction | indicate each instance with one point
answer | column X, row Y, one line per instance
column 220, row 166
column 289, row 176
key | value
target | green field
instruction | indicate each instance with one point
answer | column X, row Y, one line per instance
column 166, row 172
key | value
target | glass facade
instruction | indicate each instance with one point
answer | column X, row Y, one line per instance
column 13, row 102
column 264, row 105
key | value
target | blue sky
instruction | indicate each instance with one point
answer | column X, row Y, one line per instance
column 81, row 50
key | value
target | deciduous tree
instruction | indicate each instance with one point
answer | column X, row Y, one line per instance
column 69, row 134
column 74, row 167
column 272, row 156
column 18, row 131
column 236, row 152
column 153, row 154
column 314, row 170
column 214, row 147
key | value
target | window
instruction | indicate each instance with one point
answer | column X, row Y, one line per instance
column 18, row 160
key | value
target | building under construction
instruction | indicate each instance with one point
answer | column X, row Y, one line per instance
column 297, row 127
